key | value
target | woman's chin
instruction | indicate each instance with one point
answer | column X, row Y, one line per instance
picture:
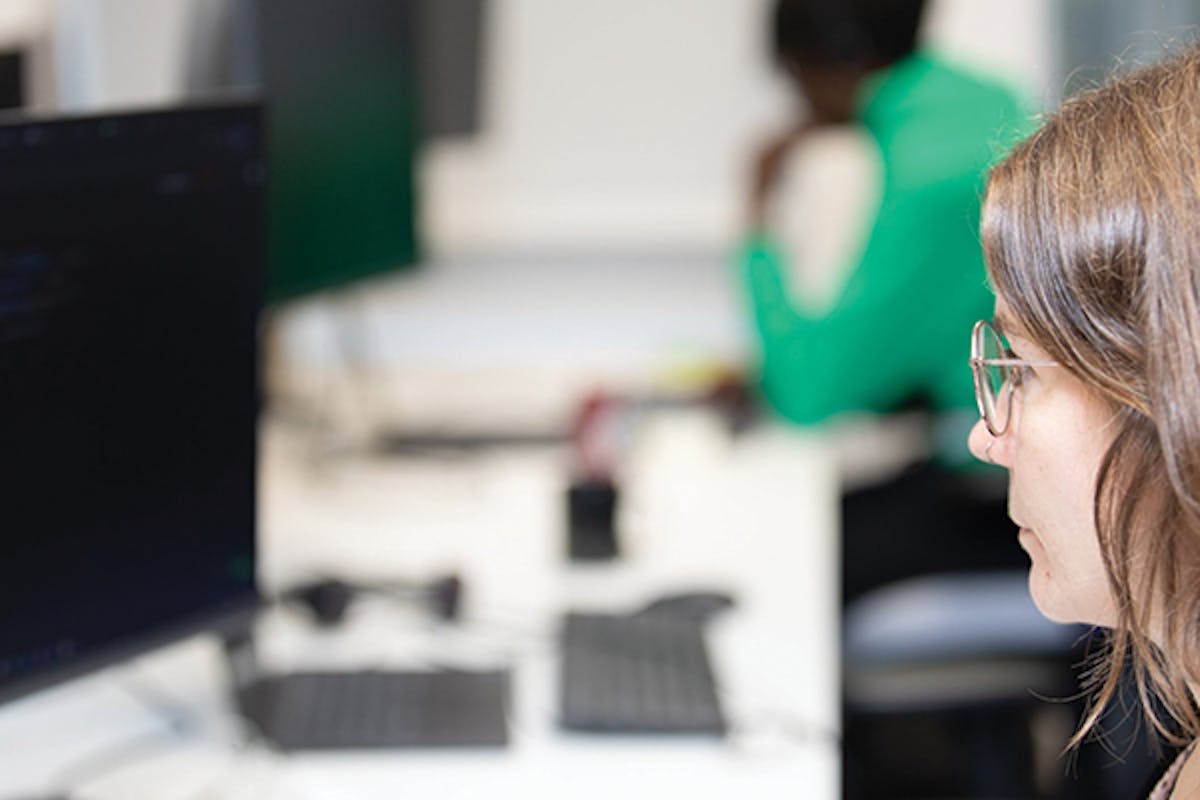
column 1047, row 600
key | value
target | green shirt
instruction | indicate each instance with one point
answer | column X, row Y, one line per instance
column 901, row 325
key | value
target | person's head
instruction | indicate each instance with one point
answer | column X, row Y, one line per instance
column 828, row 45
column 1091, row 231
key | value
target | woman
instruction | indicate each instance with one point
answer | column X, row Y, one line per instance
column 1089, row 380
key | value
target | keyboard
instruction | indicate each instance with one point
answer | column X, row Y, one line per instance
column 373, row 709
column 643, row 673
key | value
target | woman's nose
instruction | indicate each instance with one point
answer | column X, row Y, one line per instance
column 982, row 444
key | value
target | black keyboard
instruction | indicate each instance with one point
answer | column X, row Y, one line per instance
column 647, row 673
column 338, row 710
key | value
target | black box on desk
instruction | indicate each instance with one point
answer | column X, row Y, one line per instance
column 591, row 517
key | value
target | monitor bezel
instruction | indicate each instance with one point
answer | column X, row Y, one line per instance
column 230, row 619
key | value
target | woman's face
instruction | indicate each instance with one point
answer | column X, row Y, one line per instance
column 1057, row 436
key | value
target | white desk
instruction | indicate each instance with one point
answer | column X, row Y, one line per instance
column 755, row 517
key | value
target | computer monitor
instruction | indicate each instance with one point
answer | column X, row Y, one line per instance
column 353, row 88
column 12, row 79
column 340, row 87
column 131, row 265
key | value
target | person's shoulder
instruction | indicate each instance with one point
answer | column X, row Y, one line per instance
column 950, row 125
column 944, row 75
column 925, row 89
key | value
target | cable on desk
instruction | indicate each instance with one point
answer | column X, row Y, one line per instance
column 529, row 640
column 793, row 727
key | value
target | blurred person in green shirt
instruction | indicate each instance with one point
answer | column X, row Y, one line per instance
column 892, row 338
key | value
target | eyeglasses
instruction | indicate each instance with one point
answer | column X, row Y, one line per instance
column 997, row 373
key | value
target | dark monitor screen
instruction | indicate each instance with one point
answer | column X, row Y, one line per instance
column 340, row 87
column 131, row 265
column 12, row 79
column 353, row 89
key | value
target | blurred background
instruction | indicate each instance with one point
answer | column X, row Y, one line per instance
column 582, row 168
column 491, row 222
column 583, row 177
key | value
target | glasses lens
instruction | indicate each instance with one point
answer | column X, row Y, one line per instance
column 993, row 385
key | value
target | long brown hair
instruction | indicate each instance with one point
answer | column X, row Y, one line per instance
column 1091, row 230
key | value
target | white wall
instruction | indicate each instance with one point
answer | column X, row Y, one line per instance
column 120, row 53
column 22, row 19
column 1014, row 40
column 609, row 122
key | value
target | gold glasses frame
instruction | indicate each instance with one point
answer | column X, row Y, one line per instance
column 995, row 404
